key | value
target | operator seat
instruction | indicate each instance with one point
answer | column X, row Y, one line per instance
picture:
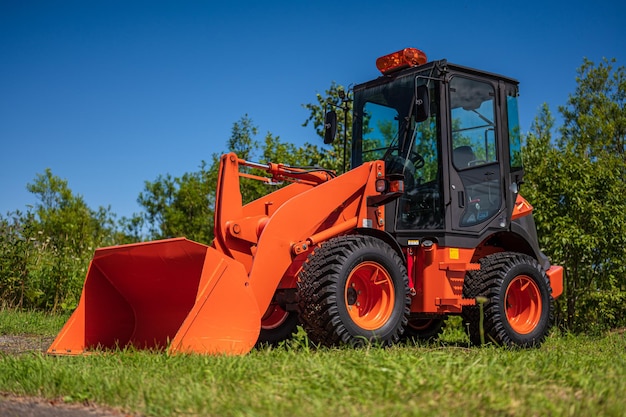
column 462, row 156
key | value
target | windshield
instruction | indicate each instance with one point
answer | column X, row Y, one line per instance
column 386, row 128
column 382, row 114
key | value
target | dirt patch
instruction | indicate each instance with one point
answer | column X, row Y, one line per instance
column 18, row 344
column 11, row 406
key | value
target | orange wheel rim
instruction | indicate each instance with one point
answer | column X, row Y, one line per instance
column 369, row 295
column 523, row 304
column 273, row 317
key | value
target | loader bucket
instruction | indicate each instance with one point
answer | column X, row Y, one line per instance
column 172, row 294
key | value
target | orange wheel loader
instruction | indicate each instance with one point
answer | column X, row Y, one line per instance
column 427, row 220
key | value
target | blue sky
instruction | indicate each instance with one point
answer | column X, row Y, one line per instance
column 109, row 94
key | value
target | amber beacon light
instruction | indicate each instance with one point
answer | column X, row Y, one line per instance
column 405, row 58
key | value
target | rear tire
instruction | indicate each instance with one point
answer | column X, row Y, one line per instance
column 354, row 290
column 519, row 310
column 424, row 328
column 277, row 325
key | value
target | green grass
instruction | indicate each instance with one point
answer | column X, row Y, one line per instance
column 14, row 322
column 567, row 376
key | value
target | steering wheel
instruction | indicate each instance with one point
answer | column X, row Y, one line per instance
column 399, row 165
column 416, row 159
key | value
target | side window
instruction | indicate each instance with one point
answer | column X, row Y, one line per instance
column 473, row 123
column 515, row 140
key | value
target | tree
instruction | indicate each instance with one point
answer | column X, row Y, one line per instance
column 180, row 206
column 66, row 218
column 595, row 115
column 576, row 182
column 184, row 206
column 242, row 139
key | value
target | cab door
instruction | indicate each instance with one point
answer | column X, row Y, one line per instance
column 476, row 194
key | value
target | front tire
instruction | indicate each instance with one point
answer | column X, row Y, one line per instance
column 519, row 310
column 353, row 290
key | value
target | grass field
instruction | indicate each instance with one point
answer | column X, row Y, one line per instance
column 568, row 376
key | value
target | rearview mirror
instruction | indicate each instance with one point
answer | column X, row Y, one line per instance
column 330, row 127
column 422, row 103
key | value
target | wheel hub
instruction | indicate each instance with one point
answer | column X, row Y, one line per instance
column 523, row 304
column 369, row 295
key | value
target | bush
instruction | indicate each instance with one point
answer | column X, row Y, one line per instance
column 14, row 255
column 599, row 311
column 36, row 272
